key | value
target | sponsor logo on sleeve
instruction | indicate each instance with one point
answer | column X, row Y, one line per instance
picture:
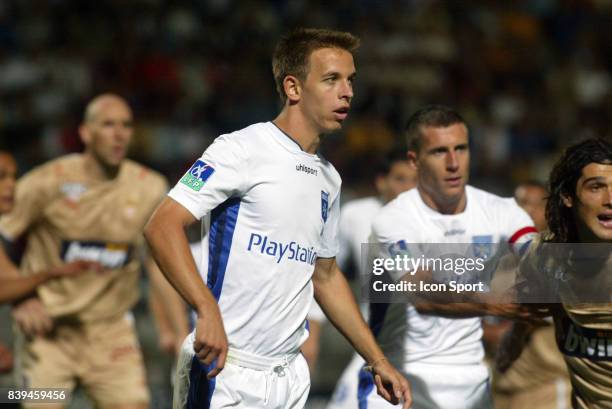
column 197, row 175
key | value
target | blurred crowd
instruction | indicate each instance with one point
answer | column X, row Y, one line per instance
column 528, row 76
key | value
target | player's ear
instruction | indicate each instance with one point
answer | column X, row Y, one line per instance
column 412, row 159
column 381, row 183
column 567, row 201
column 293, row 88
column 85, row 134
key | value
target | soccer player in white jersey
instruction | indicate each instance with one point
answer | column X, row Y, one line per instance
column 395, row 174
column 270, row 206
column 441, row 357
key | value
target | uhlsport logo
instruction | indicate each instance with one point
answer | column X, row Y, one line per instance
column 197, row 175
column 324, row 204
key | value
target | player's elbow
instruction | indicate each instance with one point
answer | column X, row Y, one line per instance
column 153, row 228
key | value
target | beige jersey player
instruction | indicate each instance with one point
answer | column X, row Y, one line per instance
column 539, row 377
column 571, row 267
column 583, row 330
column 89, row 206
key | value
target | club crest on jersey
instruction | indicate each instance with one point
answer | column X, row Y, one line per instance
column 73, row 190
column 324, row 204
column 399, row 249
column 483, row 246
column 197, row 175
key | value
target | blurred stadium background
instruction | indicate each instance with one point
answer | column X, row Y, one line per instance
column 529, row 76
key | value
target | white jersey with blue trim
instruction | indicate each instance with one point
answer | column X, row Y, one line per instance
column 269, row 209
column 409, row 338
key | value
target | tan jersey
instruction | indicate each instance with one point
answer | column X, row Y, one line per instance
column 539, row 363
column 583, row 331
column 70, row 216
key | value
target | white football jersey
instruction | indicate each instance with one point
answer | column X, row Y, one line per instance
column 409, row 338
column 269, row 209
column 355, row 227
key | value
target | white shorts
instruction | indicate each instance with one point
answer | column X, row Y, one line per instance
column 345, row 392
column 434, row 387
column 247, row 381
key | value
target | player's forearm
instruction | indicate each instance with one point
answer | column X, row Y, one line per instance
column 452, row 310
column 12, row 289
column 170, row 248
column 336, row 299
column 7, row 268
column 171, row 312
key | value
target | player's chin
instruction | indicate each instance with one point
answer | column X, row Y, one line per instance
column 113, row 161
column 602, row 233
column 333, row 125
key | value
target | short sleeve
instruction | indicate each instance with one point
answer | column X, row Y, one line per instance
column 329, row 239
column 220, row 174
column 388, row 246
column 532, row 285
column 32, row 194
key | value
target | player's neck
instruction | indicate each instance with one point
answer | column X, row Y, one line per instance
column 97, row 170
column 299, row 130
column 443, row 205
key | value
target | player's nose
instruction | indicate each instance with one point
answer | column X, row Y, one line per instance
column 452, row 162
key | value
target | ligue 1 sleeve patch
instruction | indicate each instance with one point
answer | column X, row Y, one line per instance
column 197, row 175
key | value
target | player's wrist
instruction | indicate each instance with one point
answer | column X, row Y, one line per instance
column 205, row 309
column 377, row 362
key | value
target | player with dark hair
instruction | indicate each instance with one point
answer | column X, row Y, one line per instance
column 270, row 206
column 556, row 269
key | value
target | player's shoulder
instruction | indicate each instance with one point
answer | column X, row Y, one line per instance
column 388, row 215
column 145, row 176
column 490, row 201
column 363, row 205
column 250, row 137
column 240, row 145
column 54, row 171
column 330, row 171
column 133, row 168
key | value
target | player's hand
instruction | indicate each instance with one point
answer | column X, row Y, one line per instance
column 74, row 268
column 6, row 359
column 210, row 343
column 168, row 342
column 32, row 317
column 517, row 312
column 390, row 384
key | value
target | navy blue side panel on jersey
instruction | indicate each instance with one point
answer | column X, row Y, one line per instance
column 222, row 226
column 200, row 388
column 366, row 385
